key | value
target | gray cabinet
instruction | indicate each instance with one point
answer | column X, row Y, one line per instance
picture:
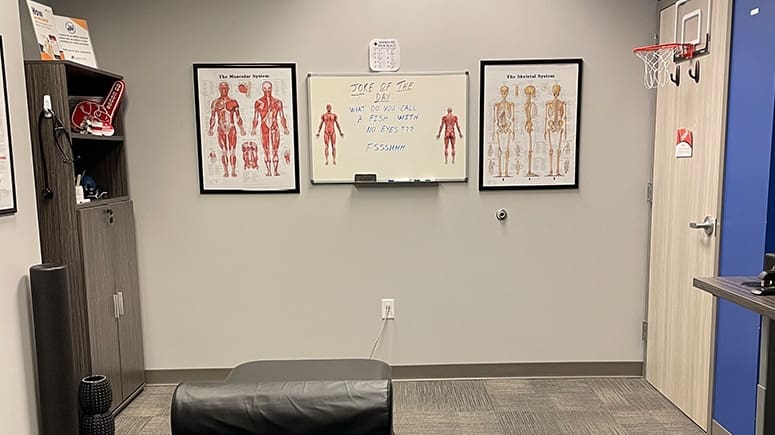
column 112, row 295
column 96, row 240
column 128, row 291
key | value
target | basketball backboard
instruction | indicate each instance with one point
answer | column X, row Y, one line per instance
column 692, row 25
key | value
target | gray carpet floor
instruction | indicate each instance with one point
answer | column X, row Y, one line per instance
column 492, row 406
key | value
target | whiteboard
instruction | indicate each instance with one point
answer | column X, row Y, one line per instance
column 388, row 126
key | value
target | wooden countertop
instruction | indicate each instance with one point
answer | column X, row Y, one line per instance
column 731, row 289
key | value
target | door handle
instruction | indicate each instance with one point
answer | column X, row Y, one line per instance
column 115, row 306
column 708, row 225
column 120, row 303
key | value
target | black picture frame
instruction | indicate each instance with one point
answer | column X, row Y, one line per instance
column 542, row 75
column 7, row 126
column 252, row 75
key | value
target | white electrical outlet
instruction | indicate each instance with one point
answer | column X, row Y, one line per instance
column 388, row 309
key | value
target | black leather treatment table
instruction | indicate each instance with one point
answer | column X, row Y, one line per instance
column 337, row 396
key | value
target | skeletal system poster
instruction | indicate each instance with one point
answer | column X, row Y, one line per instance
column 246, row 118
column 530, row 121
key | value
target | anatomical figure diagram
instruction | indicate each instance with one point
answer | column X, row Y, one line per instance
column 448, row 124
column 531, row 112
column 555, row 130
column 331, row 121
column 503, row 119
column 250, row 155
column 224, row 110
column 266, row 110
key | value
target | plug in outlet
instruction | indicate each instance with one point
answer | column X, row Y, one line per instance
column 388, row 309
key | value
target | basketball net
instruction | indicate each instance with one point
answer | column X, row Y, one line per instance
column 658, row 60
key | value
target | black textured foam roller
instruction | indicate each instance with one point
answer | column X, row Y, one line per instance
column 99, row 424
column 94, row 394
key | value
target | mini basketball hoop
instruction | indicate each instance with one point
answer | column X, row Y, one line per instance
column 657, row 60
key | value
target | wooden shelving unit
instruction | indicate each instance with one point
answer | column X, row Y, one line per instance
column 96, row 240
column 96, row 139
column 101, row 202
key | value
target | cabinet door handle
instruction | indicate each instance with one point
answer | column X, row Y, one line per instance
column 120, row 303
column 115, row 306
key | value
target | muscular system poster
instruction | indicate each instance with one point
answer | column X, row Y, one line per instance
column 246, row 118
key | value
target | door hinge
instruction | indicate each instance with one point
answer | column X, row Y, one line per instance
column 644, row 330
column 650, row 193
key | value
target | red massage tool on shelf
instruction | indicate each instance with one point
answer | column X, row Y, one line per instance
column 97, row 118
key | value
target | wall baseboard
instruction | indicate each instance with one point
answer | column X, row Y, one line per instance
column 176, row 376
column 519, row 370
column 442, row 371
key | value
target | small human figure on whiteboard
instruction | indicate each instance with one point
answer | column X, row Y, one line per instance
column 448, row 124
column 225, row 110
column 266, row 110
column 330, row 120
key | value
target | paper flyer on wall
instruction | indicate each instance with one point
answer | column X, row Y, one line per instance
column 61, row 38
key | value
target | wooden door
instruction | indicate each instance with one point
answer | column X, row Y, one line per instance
column 96, row 244
column 679, row 350
column 126, row 281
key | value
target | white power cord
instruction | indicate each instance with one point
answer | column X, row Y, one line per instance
column 381, row 332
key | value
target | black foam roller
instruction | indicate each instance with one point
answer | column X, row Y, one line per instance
column 95, row 395
column 57, row 386
column 98, row 424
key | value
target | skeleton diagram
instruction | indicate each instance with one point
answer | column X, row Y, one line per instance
column 503, row 121
column 531, row 111
column 330, row 120
column 555, row 131
column 266, row 110
column 225, row 110
column 448, row 124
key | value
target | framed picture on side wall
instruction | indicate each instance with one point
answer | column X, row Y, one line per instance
column 247, row 128
column 529, row 124
column 7, row 181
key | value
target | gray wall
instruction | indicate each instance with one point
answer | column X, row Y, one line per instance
column 30, row 48
column 19, row 249
column 232, row 278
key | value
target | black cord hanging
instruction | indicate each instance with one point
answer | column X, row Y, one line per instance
column 46, row 192
column 57, row 128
